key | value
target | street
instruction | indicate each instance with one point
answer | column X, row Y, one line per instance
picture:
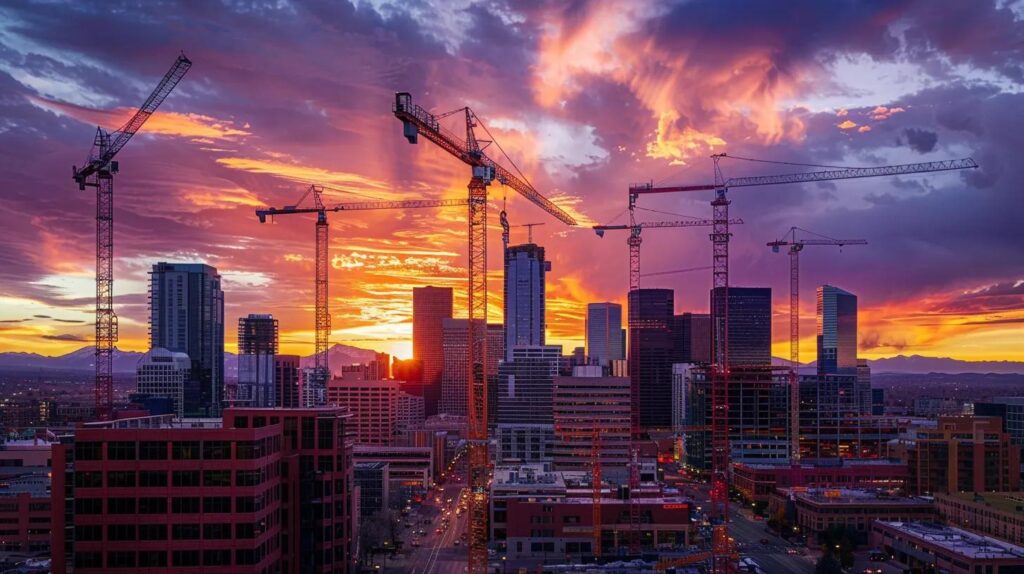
column 436, row 553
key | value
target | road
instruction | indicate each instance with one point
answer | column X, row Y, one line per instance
column 442, row 553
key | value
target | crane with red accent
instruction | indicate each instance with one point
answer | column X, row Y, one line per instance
column 314, row 386
column 722, row 551
column 98, row 172
column 417, row 121
column 796, row 245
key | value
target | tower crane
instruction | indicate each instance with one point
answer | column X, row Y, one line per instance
column 417, row 121
column 98, row 172
column 796, row 245
column 321, row 364
column 721, row 544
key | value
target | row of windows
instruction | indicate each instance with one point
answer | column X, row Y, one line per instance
column 146, row 532
column 179, row 450
column 179, row 478
column 179, row 505
column 158, row 558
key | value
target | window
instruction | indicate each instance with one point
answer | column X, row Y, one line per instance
column 121, row 532
column 245, row 557
column 216, row 478
column 153, row 559
column 307, row 432
column 216, row 450
column 217, row 531
column 185, row 478
column 89, row 533
column 89, row 451
column 86, row 479
column 121, row 450
column 245, row 530
column 185, row 558
column 120, row 560
column 188, row 505
column 216, row 558
column 326, row 434
column 185, row 532
column 245, row 504
column 121, row 479
column 247, row 449
column 152, row 450
column 152, row 531
column 88, row 506
column 121, row 506
column 88, row 560
column 152, row 478
column 217, row 504
column 153, row 505
column 185, row 450
column 247, row 478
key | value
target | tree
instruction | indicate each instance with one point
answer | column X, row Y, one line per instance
column 828, row 564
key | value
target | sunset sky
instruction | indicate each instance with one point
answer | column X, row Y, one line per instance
column 586, row 97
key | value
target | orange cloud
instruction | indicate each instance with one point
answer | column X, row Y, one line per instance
column 297, row 172
column 846, row 125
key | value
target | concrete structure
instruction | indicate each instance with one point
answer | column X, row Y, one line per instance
column 834, row 417
column 410, row 468
column 263, row 490
column 525, row 269
column 186, row 307
column 525, row 382
column 454, row 379
column 430, row 307
column 750, row 325
column 257, row 349
column 374, row 482
column 604, row 337
column 837, row 331
column 756, row 482
column 25, row 515
column 585, row 404
column 523, row 442
column 816, row 510
column 19, row 455
column 996, row 514
column 286, row 377
column 933, row 548
column 681, row 380
column 373, row 406
column 964, row 454
column 163, row 373
column 691, row 337
column 650, row 357
column 409, row 411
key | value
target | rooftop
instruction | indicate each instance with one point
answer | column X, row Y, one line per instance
column 1003, row 501
column 958, row 541
column 853, row 496
column 36, row 484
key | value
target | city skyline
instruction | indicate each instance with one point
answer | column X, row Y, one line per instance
column 250, row 128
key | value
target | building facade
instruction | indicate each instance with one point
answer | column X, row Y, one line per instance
column 757, row 481
column 257, row 349
column 430, row 307
column 525, row 382
column 837, row 331
column 963, row 454
column 691, row 337
column 186, row 307
column 929, row 547
column 373, row 406
column 455, row 377
column 525, row 270
column 650, row 357
column 288, row 380
column 750, row 325
column 163, row 373
column 591, row 411
column 604, row 338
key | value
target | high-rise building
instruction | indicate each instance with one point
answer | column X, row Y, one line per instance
column 163, row 373
column 525, row 384
column 589, row 406
column 286, row 376
column 604, row 333
column 525, row 270
column 373, row 406
column 408, row 413
column 430, row 307
column 691, row 336
column 832, row 416
column 187, row 316
column 837, row 331
column 750, row 325
column 650, row 357
column 455, row 378
column 262, row 490
column 257, row 347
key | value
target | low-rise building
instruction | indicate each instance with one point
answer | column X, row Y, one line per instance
column 962, row 454
column 410, row 468
column 756, row 482
column 816, row 510
column 25, row 515
column 998, row 514
column 374, row 482
column 930, row 547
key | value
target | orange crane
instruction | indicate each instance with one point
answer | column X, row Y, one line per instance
column 98, row 172
column 721, row 544
column 797, row 245
column 314, row 392
column 417, row 121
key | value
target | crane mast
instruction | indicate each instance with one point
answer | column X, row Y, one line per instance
column 722, row 549
column 98, row 172
column 417, row 121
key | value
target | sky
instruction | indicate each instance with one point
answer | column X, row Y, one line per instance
column 585, row 98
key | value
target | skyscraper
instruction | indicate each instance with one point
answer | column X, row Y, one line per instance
column 286, row 375
column 604, row 333
column 691, row 334
column 257, row 348
column 837, row 331
column 750, row 325
column 187, row 316
column 524, row 296
column 455, row 379
column 586, row 404
column 650, row 357
column 430, row 307
column 525, row 384
column 163, row 373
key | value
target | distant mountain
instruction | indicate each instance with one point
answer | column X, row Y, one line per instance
column 125, row 361
column 917, row 364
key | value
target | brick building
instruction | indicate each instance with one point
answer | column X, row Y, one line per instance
column 373, row 405
column 929, row 547
column 998, row 514
column 25, row 515
column 261, row 490
column 962, row 454
column 757, row 481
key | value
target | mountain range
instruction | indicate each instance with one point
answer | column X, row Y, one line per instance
column 917, row 364
column 125, row 361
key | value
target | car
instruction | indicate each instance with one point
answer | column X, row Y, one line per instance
column 457, row 542
column 765, row 541
column 791, row 551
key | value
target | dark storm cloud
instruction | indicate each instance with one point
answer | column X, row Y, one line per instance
column 922, row 141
